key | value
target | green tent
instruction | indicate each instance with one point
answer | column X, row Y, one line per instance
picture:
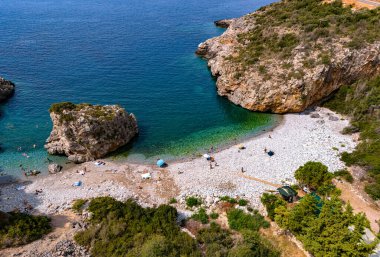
column 287, row 193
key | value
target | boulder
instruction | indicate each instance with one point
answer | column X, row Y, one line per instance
column 54, row 168
column 7, row 89
column 333, row 118
column 86, row 132
column 315, row 115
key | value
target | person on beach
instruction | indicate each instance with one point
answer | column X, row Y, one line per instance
column 265, row 150
column 211, row 166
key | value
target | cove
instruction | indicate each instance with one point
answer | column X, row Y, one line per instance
column 139, row 54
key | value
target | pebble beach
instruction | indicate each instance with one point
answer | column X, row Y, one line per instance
column 244, row 173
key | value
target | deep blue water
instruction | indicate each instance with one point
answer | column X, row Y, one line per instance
column 136, row 53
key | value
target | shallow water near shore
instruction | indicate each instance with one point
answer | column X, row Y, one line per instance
column 139, row 54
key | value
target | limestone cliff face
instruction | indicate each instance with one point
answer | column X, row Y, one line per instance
column 284, row 84
column 85, row 132
column 7, row 89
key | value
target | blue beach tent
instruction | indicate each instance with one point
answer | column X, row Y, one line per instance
column 160, row 163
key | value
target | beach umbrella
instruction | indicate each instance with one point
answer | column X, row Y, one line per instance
column 160, row 163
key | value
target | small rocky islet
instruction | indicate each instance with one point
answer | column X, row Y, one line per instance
column 85, row 132
column 7, row 89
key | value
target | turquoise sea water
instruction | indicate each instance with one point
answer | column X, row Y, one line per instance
column 136, row 53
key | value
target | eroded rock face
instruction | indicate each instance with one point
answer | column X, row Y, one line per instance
column 87, row 132
column 7, row 89
column 274, row 89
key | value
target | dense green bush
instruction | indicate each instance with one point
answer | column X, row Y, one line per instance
column 218, row 242
column 242, row 202
column 78, row 205
column 271, row 202
column 126, row 229
column 193, row 201
column 214, row 215
column 361, row 102
column 313, row 175
column 228, row 199
column 239, row 220
column 253, row 245
column 200, row 216
column 330, row 229
column 344, row 174
column 21, row 228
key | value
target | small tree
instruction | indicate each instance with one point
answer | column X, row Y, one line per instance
column 313, row 175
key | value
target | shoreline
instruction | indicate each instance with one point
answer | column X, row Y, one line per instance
column 300, row 135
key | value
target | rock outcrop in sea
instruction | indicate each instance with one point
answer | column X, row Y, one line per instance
column 7, row 89
column 85, row 132
column 280, row 61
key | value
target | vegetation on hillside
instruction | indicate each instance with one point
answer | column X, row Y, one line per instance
column 20, row 228
column 96, row 111
column 325, row 226
column 282, row 26
column 361, row 101
column 126, row 229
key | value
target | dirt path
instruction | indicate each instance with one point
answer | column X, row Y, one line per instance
column 360, row 204
column 260, row 180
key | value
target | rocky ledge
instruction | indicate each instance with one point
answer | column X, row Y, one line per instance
column 7, row 89
column 85, row 132
column 288, row 56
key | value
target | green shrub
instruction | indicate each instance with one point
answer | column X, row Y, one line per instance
column 238, row 220
column 21, row 228
column 242, row 202
column 216, row 241
column 345, row 174
column 172, row 201
column 193, row 201
column 359, row 101
column 126, row 229
column 271, row 202
column 200, row 216
column 58, row 108
column 313, row 175
column 78, row 205
column 214, row 215
column 228, row 199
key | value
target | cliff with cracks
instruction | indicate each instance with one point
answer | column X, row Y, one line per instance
column 85, row 132
column 292, row 54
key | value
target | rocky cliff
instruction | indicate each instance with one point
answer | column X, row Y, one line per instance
column 290, row 55
column 7, row 89
column 86, row 132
